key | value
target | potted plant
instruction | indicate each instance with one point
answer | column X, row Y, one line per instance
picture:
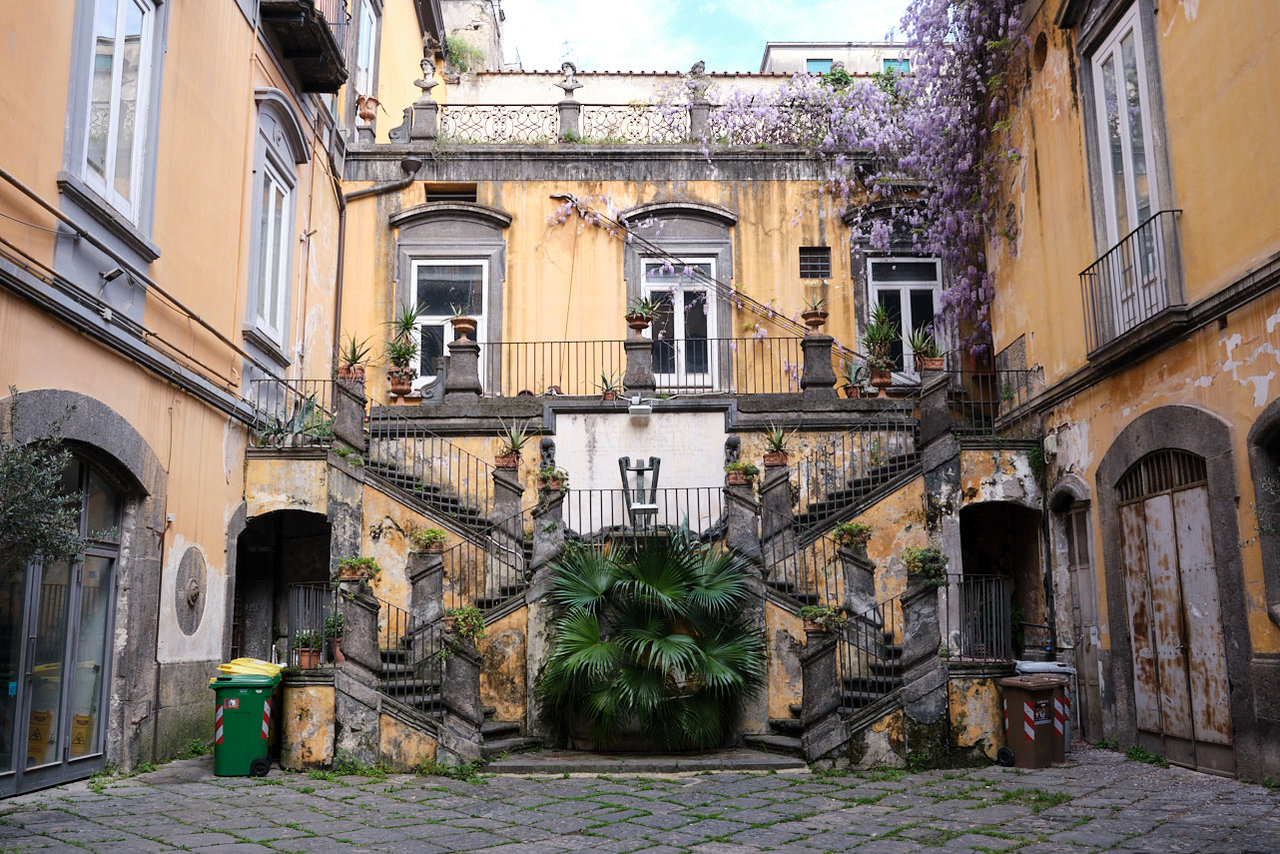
column 333, row 634
column 822, row 618
column 464, row 325
column 351, row 360
column 429, row 540
column 467, row 622
column 359, row 570
column 609, row 386
column 925, row 348
column 307, row 645
column 853, row 376
column 741, row 473
column 402, row 350
column 512, row 439
column 853, row 535
column 927, row 563
column 814, row 314
column 775, row 445
column 552, row 479
column 640, row 313
column 878, row 339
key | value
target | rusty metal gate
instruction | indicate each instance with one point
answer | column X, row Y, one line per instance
column 1175, row 619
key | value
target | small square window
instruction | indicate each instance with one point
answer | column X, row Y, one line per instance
column 898, row 66
column 817, row 66
column 815, row 262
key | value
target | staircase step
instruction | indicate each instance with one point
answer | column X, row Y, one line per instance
column 784, row 744
column 857, row 699
column 796, row 709
column 499, row 730
column 785, row 726
column 491, row 749
column 489, row 712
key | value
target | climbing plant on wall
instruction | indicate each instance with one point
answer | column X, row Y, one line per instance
column 651, row 641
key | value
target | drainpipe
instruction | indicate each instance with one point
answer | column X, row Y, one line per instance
column 410, row 165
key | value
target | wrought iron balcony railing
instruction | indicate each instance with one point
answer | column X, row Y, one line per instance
column 1133, row 282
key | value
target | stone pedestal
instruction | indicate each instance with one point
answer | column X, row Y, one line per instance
column 348, row 414
column 859, row 583
column 638, row 378
column 426, row 589
column 460, row 738
column 818, row 380
column 570, row 119
column 359, row 611
column 425, row 120
column 699, row 117
column 462, row 381
column 821, row 728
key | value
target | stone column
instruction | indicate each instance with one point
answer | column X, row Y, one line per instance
column 462, row 382
column 460, row 738
column 818, row 380
column 359, row 611
column 570, row 116
column 638, row 378
column 859, row 582
column 348, row 414
column 699, row 118
column 924, row 680
column 426, row 589
column 821, row 729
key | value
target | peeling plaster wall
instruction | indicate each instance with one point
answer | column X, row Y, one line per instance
column 402, row 745
column 285, row 483
column 307, row 726
column 784, row 640
column 977, row 714
column 502, row 676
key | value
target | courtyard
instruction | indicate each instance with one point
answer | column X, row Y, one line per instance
column 1098, row 801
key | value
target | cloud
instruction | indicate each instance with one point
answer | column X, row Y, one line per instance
column 670, row 35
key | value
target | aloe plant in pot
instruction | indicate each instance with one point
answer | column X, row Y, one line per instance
column 402, row 350
column 878, row 338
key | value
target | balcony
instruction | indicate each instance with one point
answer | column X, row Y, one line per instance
column 311, row 35
column 1132, row 294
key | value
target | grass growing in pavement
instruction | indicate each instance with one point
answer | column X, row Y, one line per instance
column 1038, row 799
column 1138, row 753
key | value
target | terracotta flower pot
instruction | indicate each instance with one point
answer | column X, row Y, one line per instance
column 609, row 395
column 507, row 461
column 852, row 392
column 308, row 658
column 776, row 458
column 450, row 622
column 930, row 363
column 400, row 380
column 336, row 650
column 814, row 319
column 881, row 378
column 351, row 373
column 464, row 327
column 638, row 323
column 737, row 478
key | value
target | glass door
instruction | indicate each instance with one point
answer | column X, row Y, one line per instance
column 57, row 617
column 683, row 356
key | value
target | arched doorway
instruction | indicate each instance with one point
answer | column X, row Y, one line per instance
column 57, row 622
column 282, row 566
column 1000, row 540
column 1181, row 695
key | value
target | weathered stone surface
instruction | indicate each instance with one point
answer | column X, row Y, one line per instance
column 307, row 724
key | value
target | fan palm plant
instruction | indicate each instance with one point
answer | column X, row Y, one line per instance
column 652, row 638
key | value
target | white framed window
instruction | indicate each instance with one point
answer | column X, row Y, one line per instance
column 366, row 46
column 1123, row 102
column 119, row 88
column 275, row 249
column 280, row 147
column 682, row 354
column 441, row 287
column 910, row 289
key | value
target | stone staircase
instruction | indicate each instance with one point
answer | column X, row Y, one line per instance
column 503, row 737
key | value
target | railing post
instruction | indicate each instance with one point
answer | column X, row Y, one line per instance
column 355, row 681
column 935, row 413
column 462, row 382
column 508, row 533
column 924, row 679
column 638, row 378
column 548, row 540
column 859, row 580
column 821, row 729
column 548, row 514
column 348, row 414
column 359, row 611
column 460, row 738
column 818, row 380
column 699, row 118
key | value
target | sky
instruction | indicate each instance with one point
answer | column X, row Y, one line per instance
column 671, row 35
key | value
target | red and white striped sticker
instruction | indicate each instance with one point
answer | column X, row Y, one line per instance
column 1004, row 702
column 217, row 724
column 266, row 719
column 1059, row 716
column 1028, row 722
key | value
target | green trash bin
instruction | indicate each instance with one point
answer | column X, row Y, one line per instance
column 242, row 724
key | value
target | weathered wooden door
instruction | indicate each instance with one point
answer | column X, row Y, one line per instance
column 1175, row 619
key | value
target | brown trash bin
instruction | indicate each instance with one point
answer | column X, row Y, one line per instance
column 1034, row 718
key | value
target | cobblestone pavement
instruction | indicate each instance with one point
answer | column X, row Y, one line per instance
column 1098, row 802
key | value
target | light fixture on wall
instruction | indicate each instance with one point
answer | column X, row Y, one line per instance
column 112, row 274
column 639, row 409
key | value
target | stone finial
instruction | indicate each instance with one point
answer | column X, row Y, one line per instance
column 698, row 80
column 699, row 68
column 570, row 81
column 732, row 450
column 548, row 448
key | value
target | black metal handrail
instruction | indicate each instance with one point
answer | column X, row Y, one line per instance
column 447, row 478
column 490, row 568
column 992, row 403
column 1132, row 282
column 292, row 413
column 977, row 618
column 551, row 367
column 869, row 655
column 412, row 660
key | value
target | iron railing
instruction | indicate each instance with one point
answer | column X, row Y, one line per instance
column 557, row 367
column 311, row 623
column 599, row 515
column 869, row 656
column 489, row 569
column 977, row 618
column 338, row 17
column 528, row 123
column 991, row 403
column 292, row 413
column 807, row 569
column 730, row 124
column 412, row 660
column 728, row 365
column 633, row 123
column 1132, row 282
column 447, row 478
